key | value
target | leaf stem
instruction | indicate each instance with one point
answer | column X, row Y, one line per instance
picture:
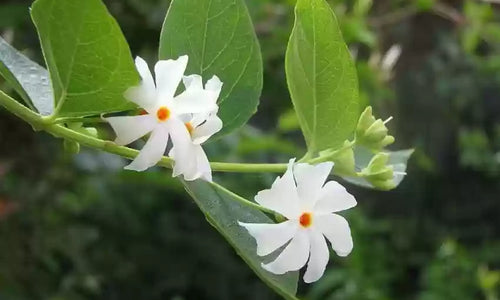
column 243, row 200
column 41, row 123
column 79, row 120
column 330, row 155
column 248, row 167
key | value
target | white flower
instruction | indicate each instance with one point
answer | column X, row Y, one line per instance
column 309, row 204
column 166, row 113
column 201, row 127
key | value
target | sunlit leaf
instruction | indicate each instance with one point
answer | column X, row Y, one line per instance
column 87, row 56
column 321, row 77
column 219, row 38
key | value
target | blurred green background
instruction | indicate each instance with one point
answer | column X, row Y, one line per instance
column 78, row 227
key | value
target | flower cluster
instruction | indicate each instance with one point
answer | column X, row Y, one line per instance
column 300, row 195
column 187, row 119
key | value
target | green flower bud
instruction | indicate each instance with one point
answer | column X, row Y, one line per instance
column 343, row 159
column 78, row 127
column 92, row 131
column 371, row 132
column 387, row 141
column 378, row 162
column 365, row 121
column 384, row 185
column 376, row 132
column 71, row 147
column 378, row 173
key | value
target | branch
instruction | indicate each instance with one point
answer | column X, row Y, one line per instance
column 40, row 123
column 440, row 9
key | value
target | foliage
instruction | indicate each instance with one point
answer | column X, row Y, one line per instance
column 81, row 232
column 220, row 40
column 321, row 76
column 87, row 56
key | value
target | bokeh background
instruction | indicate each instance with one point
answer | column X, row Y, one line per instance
column 78, row 227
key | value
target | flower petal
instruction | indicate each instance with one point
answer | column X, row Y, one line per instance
column 337, row 231
column 144, row 94
column 293, row 257
column 215, row 86
column 334, row 197
column 193, row 101
column 183, row 151
column 147, row 77
column 168, row 76
column 198, row 119
column 203, row 165
column 310, row 179
column 193, row 81
column 204, row 131
column 202, row 168
column 282, row 196
column 270, row 237
column 318, row 258
column 131, row 128
column 152, row 152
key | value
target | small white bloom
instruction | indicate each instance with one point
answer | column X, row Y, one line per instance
column 309, row 204
column 201, row 126
column 166, row 113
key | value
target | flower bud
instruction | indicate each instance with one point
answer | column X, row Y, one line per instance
column 378, row 173
column 71, row 147
column 78, row 127
column 343, row 159
column 371, row 132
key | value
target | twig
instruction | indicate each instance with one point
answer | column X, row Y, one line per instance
column 440, row 9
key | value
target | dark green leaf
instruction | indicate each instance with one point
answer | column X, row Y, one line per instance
column 87, row 56
column 219, row 38
column 223, row 211
column 321, row 77
column 27, row 78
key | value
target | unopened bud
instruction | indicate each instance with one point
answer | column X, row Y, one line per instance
column 378, row 173
column 343, row 159
column 71, row 147
column 371, row 132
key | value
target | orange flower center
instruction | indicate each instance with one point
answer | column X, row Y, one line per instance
column 305, row 220
column 162, row 114
column 189, row 127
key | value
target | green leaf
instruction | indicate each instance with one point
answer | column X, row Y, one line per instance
column 424, row 5
column 288, row 121
column 223, row 210
column 219, row 38
column 398, row 160
column 27, row 78
column 321, row 77
column 87, row 56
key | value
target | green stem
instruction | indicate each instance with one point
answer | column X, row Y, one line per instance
column 243, row 200
column 79, row 120
column 331, row 155
column 306, row 157
column 248, row 168
column 40, row 123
